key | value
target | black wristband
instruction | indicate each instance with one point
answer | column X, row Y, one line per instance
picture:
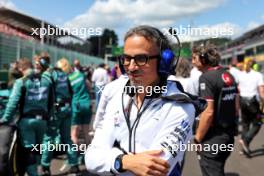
column 118, row 163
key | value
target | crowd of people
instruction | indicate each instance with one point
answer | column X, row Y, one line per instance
column 53, row 104
column 145, row 108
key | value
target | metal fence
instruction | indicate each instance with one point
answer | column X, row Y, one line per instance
column 13, row 48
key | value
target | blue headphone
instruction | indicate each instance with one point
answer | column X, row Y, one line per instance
column 168, row 60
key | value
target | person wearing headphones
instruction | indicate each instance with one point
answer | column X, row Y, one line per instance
column 218, row 123
column 100, row 78
column 59, row 127
column 80, row 105
column 33, row 95
column 142, row 130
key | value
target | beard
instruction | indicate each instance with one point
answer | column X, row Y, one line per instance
column 136, row 81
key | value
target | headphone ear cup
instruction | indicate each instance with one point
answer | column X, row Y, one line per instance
column 44, row 64
column 166, row 60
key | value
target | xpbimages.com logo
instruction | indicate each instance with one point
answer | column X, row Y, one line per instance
column 212, row 148
column 148, row 90
column 213, row 32
column 41, row 148
column 63, row 31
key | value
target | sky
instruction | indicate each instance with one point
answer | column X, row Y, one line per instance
column 238, row 16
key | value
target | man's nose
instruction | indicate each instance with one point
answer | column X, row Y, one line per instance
column 132, row 65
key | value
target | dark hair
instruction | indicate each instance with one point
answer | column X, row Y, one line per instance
column 183, row 68
column 102, row 65
column 208, row 54
column 151, row 34
column 45, row 56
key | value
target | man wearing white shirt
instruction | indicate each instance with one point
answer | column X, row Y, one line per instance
column 140, row 132
column 100, row 79
column 251, row 88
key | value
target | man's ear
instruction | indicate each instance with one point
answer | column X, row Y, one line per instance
column 201, row 60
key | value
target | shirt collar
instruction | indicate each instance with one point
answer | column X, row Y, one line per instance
column 214, row 68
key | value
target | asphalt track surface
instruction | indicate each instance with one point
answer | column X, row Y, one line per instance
column 237, row 164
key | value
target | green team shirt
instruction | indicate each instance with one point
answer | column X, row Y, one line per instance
column 78, row 85
column 61, row 85
column 36, row 96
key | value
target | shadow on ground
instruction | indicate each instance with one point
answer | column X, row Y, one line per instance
column 231, row 174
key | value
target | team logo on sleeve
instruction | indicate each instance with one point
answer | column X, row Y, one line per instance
column 202, row 86
column 184, row 124
column 228, row 80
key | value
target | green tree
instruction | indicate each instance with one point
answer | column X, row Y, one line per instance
column 99, row 43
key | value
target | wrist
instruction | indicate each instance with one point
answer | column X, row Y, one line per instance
column 125, row 162
column 196, row 140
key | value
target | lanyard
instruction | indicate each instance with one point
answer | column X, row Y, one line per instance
column 136, row 122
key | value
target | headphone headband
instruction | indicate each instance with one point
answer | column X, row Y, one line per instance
column 169, row 60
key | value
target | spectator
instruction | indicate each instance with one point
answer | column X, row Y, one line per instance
column 218, row 123
column 77, row 65
column 251, row 88
column 35, row 109
column 100, row 79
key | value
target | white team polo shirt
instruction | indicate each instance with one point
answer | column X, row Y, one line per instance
column 249, row 82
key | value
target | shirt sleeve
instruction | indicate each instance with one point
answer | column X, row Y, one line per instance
column 100, row 155
column 192, row 87
column 174, row 134
column 260, row 79
column 14, row 98
column 206, row 88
